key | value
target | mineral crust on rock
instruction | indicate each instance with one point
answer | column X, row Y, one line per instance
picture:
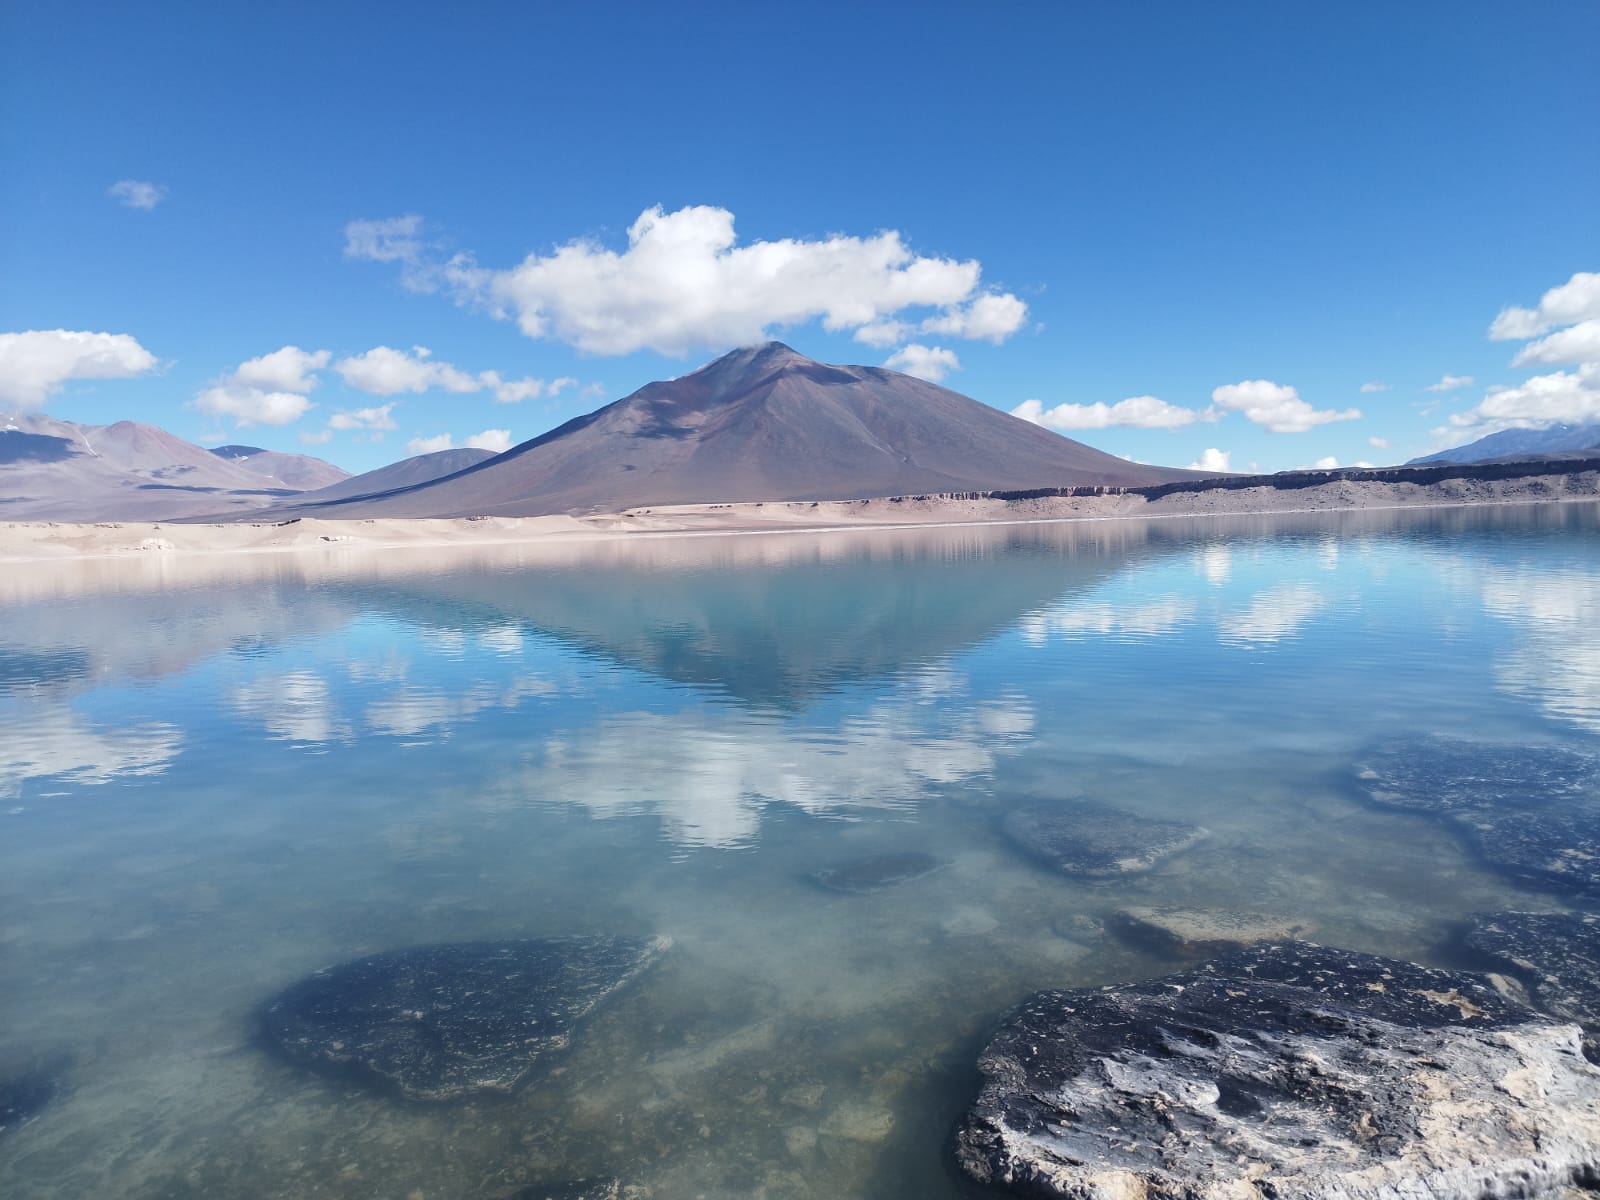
column 1557, row 955
column 1284, row 1071
column 1200, row 932
column 439, row 1022
column 1094, row 841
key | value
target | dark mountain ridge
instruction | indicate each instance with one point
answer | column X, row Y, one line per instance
column 408, row 472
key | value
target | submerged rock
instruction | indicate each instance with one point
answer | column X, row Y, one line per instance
column 1093, row 841
column 438, row 1022
column 1446, row 775
column 23, row 1097
column 878, row 871
column 1557, row 955
column 1560, row 847
column 1531, row 811
column 1200, row 932
column 1288, row 1070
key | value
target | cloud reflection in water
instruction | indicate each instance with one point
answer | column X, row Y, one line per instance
column 708, row 772
column 1556, row 661
column 55, row 742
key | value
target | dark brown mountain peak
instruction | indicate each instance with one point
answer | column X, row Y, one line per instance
column 763, row 423
column 740, row 372
column 751, row 362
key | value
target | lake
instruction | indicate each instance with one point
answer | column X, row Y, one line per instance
column 219, row 775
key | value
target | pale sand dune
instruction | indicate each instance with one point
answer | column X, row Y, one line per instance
column 22, row 542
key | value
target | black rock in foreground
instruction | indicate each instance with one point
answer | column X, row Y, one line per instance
column 1287, row 1070
column 1093, row 841
column 1557, row 955
column 438, row 1022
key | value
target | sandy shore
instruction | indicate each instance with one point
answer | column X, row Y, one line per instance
column 23, row 542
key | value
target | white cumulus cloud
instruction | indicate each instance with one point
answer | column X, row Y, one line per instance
column 384, row 371
column 1563, row 396
column 1573, row 312
column 883, row 334
column 1576, row 300
column 376, row 418
column 1142, row 412
column 36, row 363
column 430, row 445
column 1449, row 383
column 136, row 193
column 1212, row 459
column 932, row 363
column 1576, row 344
column 1378, row 443
column 269, row 390
column 498, row 440
column 685, row 282
column 1276, row 407
column 514, row 391
column 250, row 405
column 286, row 370
column 1374, row 386
column 992, row 317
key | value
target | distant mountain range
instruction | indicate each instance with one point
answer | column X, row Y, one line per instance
column 54, row 470
column 761, row 423
column 299, row 471
column 1515, row 443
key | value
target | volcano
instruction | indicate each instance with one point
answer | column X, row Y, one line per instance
column 761, row 423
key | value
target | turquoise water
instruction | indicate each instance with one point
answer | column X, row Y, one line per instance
column 218, row 775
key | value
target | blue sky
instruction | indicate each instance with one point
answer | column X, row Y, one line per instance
column 1192, row 208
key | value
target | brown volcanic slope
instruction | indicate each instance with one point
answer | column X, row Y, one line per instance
column 763, row 423
column 408, row 472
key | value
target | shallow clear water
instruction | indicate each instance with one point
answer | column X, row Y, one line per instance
column 217, row 776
